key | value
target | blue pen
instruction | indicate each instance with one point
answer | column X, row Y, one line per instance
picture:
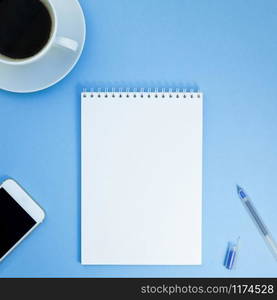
column 258, row 221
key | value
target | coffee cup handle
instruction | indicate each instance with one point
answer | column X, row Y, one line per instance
column 65, row 42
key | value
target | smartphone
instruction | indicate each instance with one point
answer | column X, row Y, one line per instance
column 19, row 216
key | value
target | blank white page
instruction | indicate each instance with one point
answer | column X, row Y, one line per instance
column 141, row 178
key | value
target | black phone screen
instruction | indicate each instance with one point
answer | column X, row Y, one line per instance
column 15, row 222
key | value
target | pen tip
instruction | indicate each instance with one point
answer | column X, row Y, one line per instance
column 241, row 192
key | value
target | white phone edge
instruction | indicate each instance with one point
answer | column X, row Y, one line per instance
column 27, row 203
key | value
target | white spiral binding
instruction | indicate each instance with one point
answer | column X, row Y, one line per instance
column 141, row 93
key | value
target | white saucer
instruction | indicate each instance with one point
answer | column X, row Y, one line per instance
column 57, row 63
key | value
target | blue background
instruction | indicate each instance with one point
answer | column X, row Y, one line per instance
column 226, row 48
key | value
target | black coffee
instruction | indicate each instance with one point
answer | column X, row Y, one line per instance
column 25, row 27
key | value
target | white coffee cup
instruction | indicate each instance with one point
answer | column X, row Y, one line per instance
column 53, row 41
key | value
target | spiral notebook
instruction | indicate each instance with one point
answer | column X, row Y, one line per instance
column 141, row 177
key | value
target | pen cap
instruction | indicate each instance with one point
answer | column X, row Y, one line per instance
column 230, row 255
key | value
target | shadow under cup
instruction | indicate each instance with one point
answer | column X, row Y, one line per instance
column 27, row 29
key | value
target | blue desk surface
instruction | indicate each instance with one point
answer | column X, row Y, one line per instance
column 229, row 50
